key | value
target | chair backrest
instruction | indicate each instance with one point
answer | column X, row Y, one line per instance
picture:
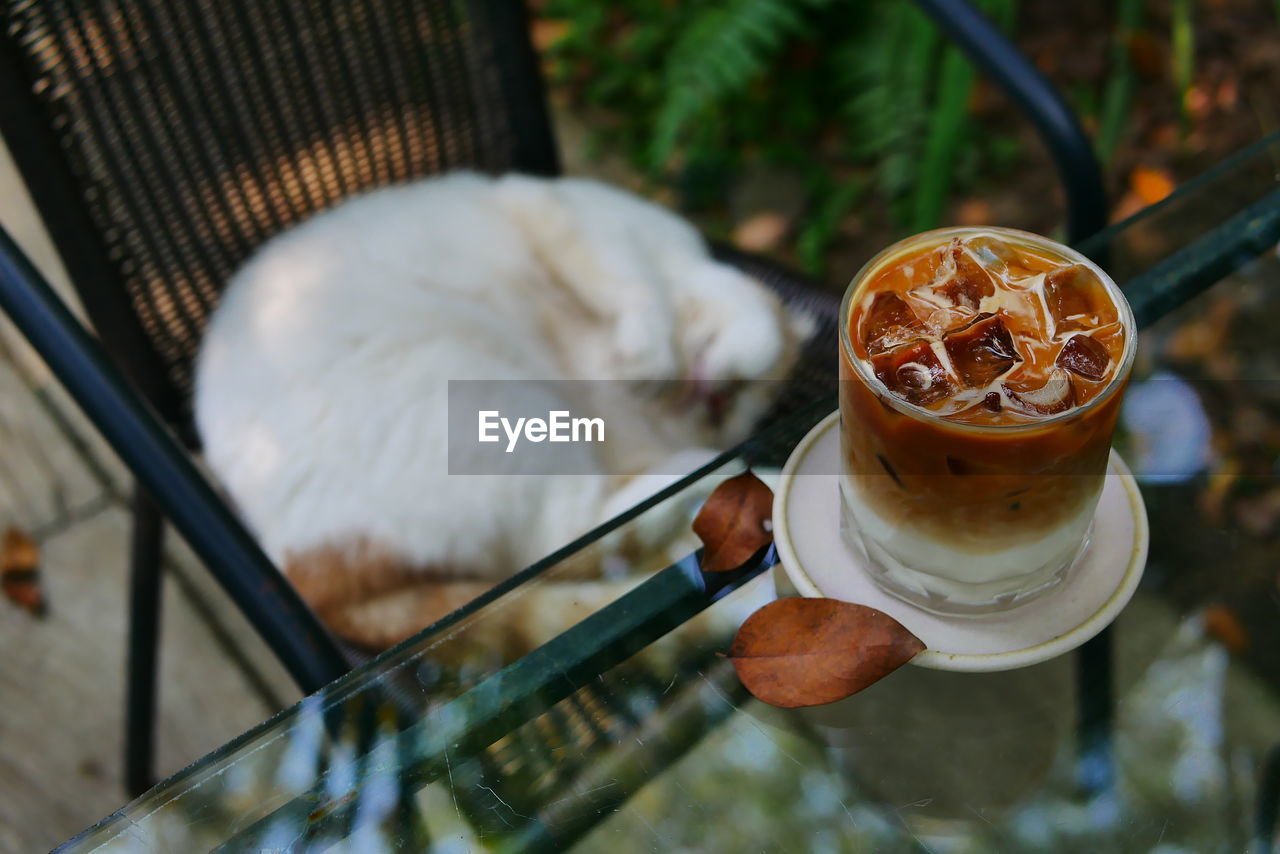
column 163, row 140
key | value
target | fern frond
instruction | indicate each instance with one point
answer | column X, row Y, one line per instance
column 722, row 51
column 887, row 77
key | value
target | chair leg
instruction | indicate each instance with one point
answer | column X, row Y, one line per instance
column 144, row 623
column 1267, row 809
column 1095, row 771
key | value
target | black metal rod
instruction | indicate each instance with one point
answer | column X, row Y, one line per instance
column 144, row 635
column 1095, row 769
column 514, row 695
column 1214, row 255
column 1066, row 140
column 1267, row 809
column 161, row 466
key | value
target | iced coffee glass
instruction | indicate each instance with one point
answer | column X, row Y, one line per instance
column 981, row 375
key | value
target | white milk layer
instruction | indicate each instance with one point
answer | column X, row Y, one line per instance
column 943, row 578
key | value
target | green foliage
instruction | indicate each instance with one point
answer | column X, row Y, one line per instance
column 820, row 227
column 1182, row 37
column 863, row 100
column 713, row 61
column 1118, row 90
column 946, row 127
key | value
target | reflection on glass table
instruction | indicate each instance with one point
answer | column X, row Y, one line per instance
column 622, row 729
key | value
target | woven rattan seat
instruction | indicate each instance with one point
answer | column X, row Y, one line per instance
column 194, row 131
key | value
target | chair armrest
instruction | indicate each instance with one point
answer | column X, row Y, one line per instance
column 165, row 471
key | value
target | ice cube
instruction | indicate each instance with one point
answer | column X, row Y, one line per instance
column 1077, row 300
column 993, row 254
column 976, row 410
column 914, row 373
column 1056, row 395
column 889, row 322
column 981, row 350
column 969, row 284
column 1084, row 357
column 1110, row 336
column 959, row 283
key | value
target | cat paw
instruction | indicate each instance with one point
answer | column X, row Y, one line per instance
column 735, row 328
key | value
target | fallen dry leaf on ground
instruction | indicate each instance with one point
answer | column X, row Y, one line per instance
column 805, row 652
column 1223, row 625
column 19, row 571
column 1212, row 499
column 735, row 522
column 1204, row 335
column 761, row 232
column 545, row 32
column 974, row 212
column 1150, row 184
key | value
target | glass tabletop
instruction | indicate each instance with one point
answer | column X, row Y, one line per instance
column 584, row 704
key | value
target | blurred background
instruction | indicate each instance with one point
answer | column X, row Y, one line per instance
column 819, row 131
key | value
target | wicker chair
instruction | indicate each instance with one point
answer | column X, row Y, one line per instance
column 164, row 141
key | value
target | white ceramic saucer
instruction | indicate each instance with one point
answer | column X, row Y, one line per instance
column 816, row 562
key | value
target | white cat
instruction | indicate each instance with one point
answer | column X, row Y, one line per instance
column 321, row 387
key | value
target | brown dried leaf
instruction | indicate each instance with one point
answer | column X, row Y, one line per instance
column 735, row 523
column 19, row 571
column 761, row 232
column 1213, row 498
column 18, row 552
column 546, row 32
column 974, row 212
column 25, row 593
column 1128, row 205
column 1206, row 334
column 806, row 652
column 1223, row 625
column 1150, row 184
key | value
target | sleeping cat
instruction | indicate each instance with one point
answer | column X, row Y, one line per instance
column 321, row 386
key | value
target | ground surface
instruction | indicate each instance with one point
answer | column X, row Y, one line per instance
column 62, row 676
